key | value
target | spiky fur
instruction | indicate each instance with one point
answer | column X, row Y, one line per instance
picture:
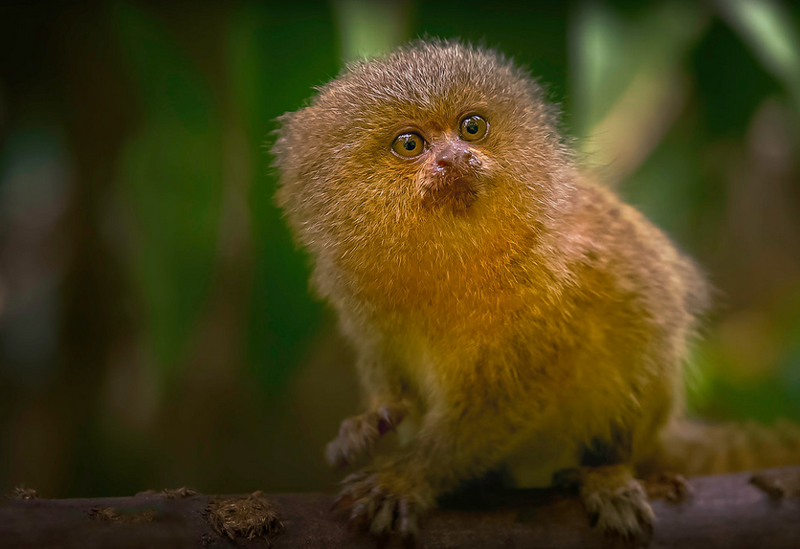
column 543, row 318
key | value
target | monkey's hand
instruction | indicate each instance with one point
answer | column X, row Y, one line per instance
column 385, row 501
column 616, row 502
column 358, row 434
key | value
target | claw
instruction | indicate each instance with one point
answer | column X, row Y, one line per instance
column 384, row 519
column 359, row 510
column 342, row 501
column 407, row 526
column 376, row 495
column 374, row 507
column 386, row 422
column 357, row 436
column 354, row 478
column 618, row 506
column 669, row 486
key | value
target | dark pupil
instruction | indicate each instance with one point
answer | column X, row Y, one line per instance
column 472, row 126
column 410, row 144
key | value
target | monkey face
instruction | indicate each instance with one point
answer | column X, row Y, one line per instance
column 452, row 168
column 433, row 137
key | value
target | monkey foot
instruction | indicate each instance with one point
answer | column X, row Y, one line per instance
column 359, row 434
column 671, row 487
column 617, row 503
column 375, row 507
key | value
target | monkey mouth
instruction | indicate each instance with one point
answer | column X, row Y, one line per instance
column 458, row 192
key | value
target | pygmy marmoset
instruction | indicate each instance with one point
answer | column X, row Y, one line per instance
column 501, row 301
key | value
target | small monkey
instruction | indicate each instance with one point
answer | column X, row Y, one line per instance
column 501, row 301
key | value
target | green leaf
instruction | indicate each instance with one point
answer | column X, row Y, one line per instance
column 613, row 53
column 772, row 33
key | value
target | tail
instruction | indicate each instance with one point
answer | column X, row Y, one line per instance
column 693, row 449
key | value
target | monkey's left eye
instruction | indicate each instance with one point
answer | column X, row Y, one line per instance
column 473, row 128
column 408, row 145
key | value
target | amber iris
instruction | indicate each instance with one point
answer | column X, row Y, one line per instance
column 473, row 128
column 408, row 144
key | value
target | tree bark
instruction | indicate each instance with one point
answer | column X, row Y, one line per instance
column 726, row 511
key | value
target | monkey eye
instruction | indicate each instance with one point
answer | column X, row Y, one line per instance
column 408, row 145
column 473, row 127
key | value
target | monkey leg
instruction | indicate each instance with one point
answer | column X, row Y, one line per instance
column 617, row 503
column 359, row 434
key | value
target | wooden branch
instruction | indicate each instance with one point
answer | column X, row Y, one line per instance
column 727, row 511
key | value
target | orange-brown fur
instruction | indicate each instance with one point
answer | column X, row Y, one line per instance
column 522, row 326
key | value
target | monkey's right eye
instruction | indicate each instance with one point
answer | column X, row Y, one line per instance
column 408, row 145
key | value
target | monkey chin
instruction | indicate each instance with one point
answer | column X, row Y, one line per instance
column 456, row 195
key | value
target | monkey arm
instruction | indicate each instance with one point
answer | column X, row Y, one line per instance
column 458, row 439
column 386, row 408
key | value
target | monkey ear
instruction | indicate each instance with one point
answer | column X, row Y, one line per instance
column 283, row 121
column 281, row 136
column 291, row 124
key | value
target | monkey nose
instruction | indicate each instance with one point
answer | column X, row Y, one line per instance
column 453, row 156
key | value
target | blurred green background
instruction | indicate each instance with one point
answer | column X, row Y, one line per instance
column 155, row 324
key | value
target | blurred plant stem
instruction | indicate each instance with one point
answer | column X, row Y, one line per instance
column 629, row 80
column 368, row 28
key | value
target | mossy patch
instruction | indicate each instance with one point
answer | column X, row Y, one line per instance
column 246, row 517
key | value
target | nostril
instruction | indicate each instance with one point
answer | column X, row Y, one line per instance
column 444, row 160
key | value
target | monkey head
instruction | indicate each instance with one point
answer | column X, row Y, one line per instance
column 433, row 144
